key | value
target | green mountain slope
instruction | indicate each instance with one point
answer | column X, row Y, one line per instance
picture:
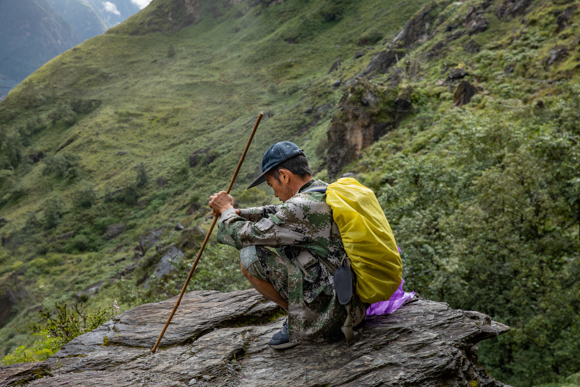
column 127, row 134
column 32, row 34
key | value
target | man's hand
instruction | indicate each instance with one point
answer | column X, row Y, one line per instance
column 221, row 202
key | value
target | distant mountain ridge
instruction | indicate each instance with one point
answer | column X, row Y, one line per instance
column 32, row 34
column 35, row 31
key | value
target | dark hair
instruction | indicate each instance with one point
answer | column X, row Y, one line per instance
column 298, row 165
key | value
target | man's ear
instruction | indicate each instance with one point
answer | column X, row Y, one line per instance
column 284, row 175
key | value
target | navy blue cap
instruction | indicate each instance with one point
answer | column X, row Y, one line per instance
column 276, row 154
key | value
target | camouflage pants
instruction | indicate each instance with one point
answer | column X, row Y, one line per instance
column 320, row 319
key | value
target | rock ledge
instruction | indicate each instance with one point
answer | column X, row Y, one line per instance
column 213, row 341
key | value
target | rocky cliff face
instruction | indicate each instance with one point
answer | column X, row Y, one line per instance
column 366, row 113
column 220, row 339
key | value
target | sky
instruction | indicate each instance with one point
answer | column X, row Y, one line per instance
column 141, row 3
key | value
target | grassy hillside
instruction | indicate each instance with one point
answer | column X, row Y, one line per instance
column 133, row 130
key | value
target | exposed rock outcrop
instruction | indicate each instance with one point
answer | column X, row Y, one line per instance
column 12, row 293
column 166, row 264
column 463, row 94
column 415, row 32
column 220, row 339
column 366, row 113
column 114, row 230
column 557, row 54
column 512, row 8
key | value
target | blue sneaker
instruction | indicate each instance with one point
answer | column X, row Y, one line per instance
column 281, row 340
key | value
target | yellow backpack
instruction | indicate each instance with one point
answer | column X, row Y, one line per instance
column 367, row 239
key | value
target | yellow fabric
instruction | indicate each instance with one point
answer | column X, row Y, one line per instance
column 367, row 238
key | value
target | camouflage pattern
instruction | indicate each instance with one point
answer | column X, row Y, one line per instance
column 308, row 249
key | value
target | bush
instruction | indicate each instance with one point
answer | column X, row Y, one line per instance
column 488, row 221
column 52, row 212
column 65, row 165
column 43, row 347
column 85, row 196
column 142, row 177
column 56, row 327
column 63, row 112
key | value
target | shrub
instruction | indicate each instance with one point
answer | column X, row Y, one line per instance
column 56, row 327
column 85, row 196
column 44, row 346
column 65, row 165
column 142, row 177
column 52, row 212
column 63, row 112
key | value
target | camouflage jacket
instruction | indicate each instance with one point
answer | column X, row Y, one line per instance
column 301, row 230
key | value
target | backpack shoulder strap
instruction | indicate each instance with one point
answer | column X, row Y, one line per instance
column 316, row 188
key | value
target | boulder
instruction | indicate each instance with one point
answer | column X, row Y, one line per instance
column 383, row 61
column 557, row 54
column 165, row 265
column 479, row 24
column 149, row 240
column 509, row 9
column 457, row 73
column 221, row 339
column 463, row 94
column 472, row 47
column 335, row 66
column 114, row 230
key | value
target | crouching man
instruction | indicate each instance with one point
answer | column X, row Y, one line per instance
column 289, row 252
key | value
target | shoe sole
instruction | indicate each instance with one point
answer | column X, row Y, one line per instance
column 283, row 345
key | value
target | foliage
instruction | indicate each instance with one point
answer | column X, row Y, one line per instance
column 44, row 346
column 53, row 211
column 65, row 165
column 56, row 327
column 85, row 196
column 218, row 269
column 142, row 178
column 488, row 220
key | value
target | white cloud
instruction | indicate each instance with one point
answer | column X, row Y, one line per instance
column 112, row 8
column 141, row 3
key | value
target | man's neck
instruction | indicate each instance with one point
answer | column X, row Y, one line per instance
column 297, row 186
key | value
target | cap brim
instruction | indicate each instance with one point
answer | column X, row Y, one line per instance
column 258, row 181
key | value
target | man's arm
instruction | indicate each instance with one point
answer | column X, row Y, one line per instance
column 222, row 201
column 255, row 214
column 282, row 228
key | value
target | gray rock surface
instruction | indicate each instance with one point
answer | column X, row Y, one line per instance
column 165, row 265
column 220, row 339
column 114, row 230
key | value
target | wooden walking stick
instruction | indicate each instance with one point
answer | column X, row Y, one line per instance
column 207, row 236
